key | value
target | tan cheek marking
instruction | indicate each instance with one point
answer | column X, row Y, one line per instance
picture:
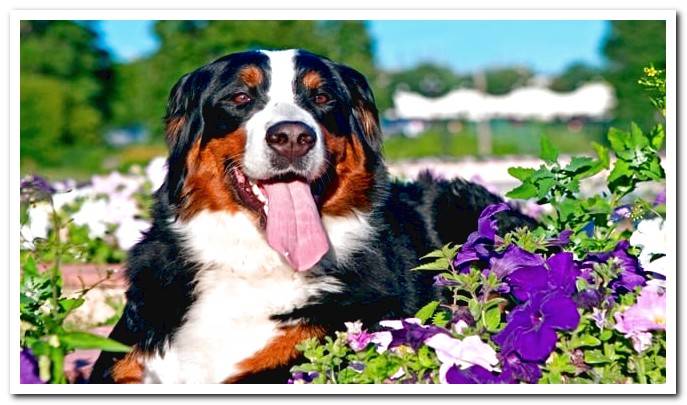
column 129, row 370
column 206, row 187
column 281, row 351
column 352, row 183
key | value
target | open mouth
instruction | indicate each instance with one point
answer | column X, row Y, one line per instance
column 289, row 214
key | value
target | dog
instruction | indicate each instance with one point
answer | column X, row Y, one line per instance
column 277, row 222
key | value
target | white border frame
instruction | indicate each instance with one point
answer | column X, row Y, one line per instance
column 275, row 14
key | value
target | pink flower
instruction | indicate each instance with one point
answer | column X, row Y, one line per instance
column 649, row 313
column 382, row 340
column 464, row 353
column 356, row 336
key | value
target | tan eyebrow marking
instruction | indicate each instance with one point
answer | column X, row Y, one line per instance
column 251, row 75
column 312, row 79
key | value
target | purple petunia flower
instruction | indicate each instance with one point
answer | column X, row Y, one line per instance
column 472, row 375
column 531, row 328
column 516, row 370
column 621, row 213
column 562, row 240
column 480, row 244
column 441, row 281
column 631, row 274
column 561, row 275
column 35, row 188
column 512, row 259
column 660, row 198
column 299, row 377
column 588, row 298
column 28, row 368
column 410, row 332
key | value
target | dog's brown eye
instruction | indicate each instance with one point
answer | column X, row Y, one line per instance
column 321, row 98
column 241, row 98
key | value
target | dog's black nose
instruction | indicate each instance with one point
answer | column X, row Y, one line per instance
column 291, row 139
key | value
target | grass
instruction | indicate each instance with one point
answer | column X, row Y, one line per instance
column 507, row 139
column 80, row 163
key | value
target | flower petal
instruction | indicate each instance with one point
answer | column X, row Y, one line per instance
column 560, row 312
column 527, row 281
column 536, row 345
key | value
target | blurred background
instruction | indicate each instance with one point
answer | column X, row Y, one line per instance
column 93, row 92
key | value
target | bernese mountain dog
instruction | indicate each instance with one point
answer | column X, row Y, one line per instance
column 277, row 222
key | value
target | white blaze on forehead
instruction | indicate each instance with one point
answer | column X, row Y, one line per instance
column 281, row 106
column 283, row 75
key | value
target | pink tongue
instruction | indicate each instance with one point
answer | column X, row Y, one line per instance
column 294, row 228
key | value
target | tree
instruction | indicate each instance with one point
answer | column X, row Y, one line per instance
column 630, row 46
column 574, row 76
column 504, row 80
column 428, row 79
column 66, row 80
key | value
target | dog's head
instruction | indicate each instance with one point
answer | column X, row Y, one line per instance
column 286, row 136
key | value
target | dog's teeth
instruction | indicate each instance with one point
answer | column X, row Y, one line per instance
column 266, row 209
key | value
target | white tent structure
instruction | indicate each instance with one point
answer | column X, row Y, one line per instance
column 592, row 100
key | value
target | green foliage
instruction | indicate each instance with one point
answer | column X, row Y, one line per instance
column 44, row 307
column 504, row 80
column 574, row 76
column 64, row 90
column 428, row 79
column 629, row 47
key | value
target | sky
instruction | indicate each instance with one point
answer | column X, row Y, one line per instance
column 547, row 47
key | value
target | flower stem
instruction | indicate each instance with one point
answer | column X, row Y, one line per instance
column 55, row 271
column 641, row 369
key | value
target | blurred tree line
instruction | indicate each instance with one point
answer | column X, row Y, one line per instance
column 72, row 91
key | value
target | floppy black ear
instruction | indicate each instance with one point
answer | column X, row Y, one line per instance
column 365, row 114
column 183, row 125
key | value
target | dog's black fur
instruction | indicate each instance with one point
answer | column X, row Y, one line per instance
column 410, row 220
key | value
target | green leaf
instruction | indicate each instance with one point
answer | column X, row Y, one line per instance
column 637, row 138
column 544, row 186
column 620, row 178
column 617, row 138
column 85, row 340
column 70, row 304
column 523, row 191
column 521, row 173
column 579, row 164
column 492, row 319
column 605, row 335
column 548, row 153
column 474, row 308
column 602, row 154
column 657, row 136
column 441, row 319
column 427, row 311
column 439, row 264
column 595, row 357
column 30, row 268
column 433, row 253
column 587, row 340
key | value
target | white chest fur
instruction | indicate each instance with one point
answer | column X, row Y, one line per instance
column 241, row 284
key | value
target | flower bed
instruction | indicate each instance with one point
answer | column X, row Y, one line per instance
column 578, row 299
column 581, row 298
